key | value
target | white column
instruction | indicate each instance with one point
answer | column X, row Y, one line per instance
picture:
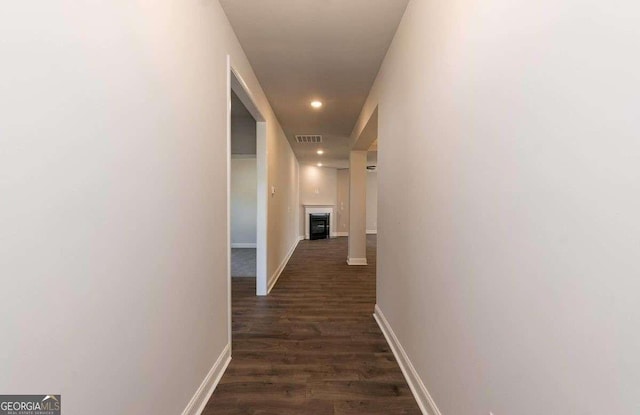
column 357, row 208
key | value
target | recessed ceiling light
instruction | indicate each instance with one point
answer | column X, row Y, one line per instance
column 320, row 152
column 319, row 164
column 316, row 104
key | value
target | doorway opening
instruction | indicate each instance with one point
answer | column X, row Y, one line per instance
column 246, row 186
column 244, row 191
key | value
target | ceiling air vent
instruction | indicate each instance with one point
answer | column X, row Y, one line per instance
column 308, row 139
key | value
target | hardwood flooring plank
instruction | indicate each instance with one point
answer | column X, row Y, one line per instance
column 399, row 406
column 311, row 346
column 270, row 407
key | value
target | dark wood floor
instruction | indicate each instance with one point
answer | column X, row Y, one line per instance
column 312, row 346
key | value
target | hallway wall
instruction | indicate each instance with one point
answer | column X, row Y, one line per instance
column 244, row 202
column 508, row 137
column 283, row 229
column 372, row 202
column 243, row 128
column 342, row 201
column 113, row 171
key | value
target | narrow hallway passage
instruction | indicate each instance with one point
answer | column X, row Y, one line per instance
column 312, row 346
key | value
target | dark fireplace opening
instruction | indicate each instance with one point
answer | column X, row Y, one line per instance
column 319, row 226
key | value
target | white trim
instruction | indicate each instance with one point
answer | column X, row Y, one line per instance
column 276, row 275
column 243, row 245
column 357, row 261
column 199, row 400
column 341, row 234
column 372, row 231
column 239, row 86
column 244, row 156
column 263, row 209
column 228, row 224
column 420, row 392
column 242, row 90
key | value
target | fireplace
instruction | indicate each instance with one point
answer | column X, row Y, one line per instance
column 319, row 225
column 325, row 212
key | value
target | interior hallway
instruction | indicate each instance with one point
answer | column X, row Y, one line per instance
column 312, row 346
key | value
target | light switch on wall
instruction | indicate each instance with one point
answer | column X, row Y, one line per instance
column 273, row 190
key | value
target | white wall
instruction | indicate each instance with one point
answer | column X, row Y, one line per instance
column 509, row 192
column 318, row 186
column 243, row 135
column 357, row 254
column 283, row 226
column 333, row 188
column 113, row 176
column 342, row 201
column 244, row 200
column 243, row 128
column 372, row 202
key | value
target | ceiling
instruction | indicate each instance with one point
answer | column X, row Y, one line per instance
column 329, row 50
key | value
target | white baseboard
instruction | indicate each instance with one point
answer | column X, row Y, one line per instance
column 372, row 231
column 244, row 245
column 276, row 275
column 420, row 392
column 357, row 261
column 332, row 235
column 243, row 156
column 201, row 397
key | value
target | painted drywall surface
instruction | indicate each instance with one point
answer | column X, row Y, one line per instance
column 509, row 192
column 113, row 173
column 342, row 201
column 372, row 201
column 244, row 200
column 243, row 128
column 283, row 202
column 245, row 131
column 357, row 205
column 318, row 186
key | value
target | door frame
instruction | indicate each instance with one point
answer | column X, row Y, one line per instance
column 236, row 84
